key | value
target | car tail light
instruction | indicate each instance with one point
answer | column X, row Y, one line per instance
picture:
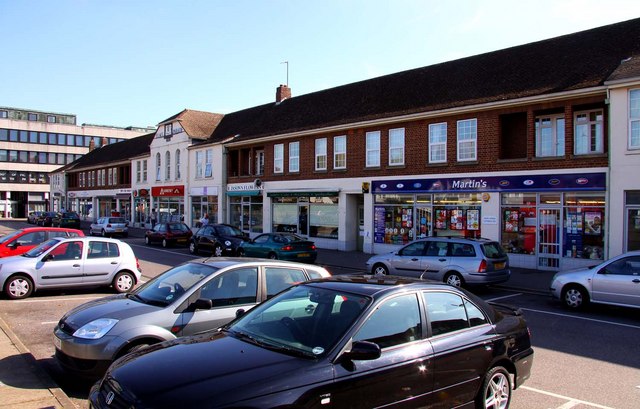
column 138, row 265
column 483, row 267
column 287, row 248
column 313, row 247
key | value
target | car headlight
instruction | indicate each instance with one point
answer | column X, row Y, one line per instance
column 95, row 329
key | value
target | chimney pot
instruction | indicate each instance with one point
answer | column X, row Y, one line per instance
column 283, row 92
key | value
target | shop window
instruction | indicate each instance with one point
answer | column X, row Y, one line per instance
column 584, row 226
column 632, row 204
column 519, row 226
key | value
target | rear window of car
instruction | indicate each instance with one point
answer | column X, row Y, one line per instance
column 178, row 227
column 70, row 215
column 116, row 220
column 493, row 250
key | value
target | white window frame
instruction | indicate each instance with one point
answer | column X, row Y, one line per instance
column 588, row 132
column 199, row 164
column 138, row 171
column 208, row 163
column 372, row 149
column 634, row 119
column 553, row 126
column 167, row 165
column 144, row 170
column 294, row 156
column 168, row 130
column 340, row 152
column 396, row 147
column 278, row 158
column 438, row 142
column 178, row 174
column 158, row 167
column 467, row 141
column 259, row 163
column 321, row 154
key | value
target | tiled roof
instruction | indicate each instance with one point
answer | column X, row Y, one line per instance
column 629, row 68
column 197, row 124
column 113, row 153
column 570, row 62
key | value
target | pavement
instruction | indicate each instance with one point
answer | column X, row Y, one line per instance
column 25, row 385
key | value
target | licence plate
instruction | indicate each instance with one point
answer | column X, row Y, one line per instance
column 303, row 254
column 118, row 230
column 57, row 343
column 181, row 240
column 499, row 266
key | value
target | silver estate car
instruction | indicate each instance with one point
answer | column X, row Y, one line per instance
column 455, row 260
column 193, row 297
column 615, row 282
column 69, row 262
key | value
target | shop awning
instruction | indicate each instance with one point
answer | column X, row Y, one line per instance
column 245, row 193
column 303, row 193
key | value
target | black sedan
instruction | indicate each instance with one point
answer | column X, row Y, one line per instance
column 217, row 239
column 46, row 219
column 342, row 342
column 169, row 234
column 66, row 219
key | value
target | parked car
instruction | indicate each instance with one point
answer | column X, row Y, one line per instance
column 32, row 217
column 22, row 240
column 454, row 260
column 184, row 300
column 66, row 219
column 614, row 282
column 70, row 263
column 110, row 226
column 217, row 239
column 281, row 246
column 45, row 219
column 344, row 342
column 169, row 234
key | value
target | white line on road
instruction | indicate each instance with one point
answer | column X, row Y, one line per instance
column 573, row 400
column 48, row 322
column 581, row 318
column 506, row 296
column 569, row 405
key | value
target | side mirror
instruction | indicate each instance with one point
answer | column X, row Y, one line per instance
column 363, row 351
column 48, row 257
column 202, row 304
column 240, row 312
column 13, row 245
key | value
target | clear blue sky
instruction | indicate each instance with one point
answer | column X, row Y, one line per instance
column 139, row 62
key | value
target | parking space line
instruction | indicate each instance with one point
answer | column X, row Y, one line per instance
column 501, row 298
column 572, row 400
column 568, row 405
column 48, row 322
column 582, row 318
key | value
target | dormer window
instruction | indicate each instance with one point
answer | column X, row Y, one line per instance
column 168, row 130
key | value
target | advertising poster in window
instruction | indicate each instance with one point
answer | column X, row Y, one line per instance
column 511, row 221
column 473, row 219
column 457, row 219
column 441, row 219
column 593, row 223
column 379, row 225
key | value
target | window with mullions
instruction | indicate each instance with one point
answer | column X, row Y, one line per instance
column 467, row 140
column 278, row 158
column 294, row 157
column 340, row 152
column 178, row 174
column 438, row 143
column 396, row 147
column 321, row 154
column 167, row 175
column 589, row 133
column 199, row 164
column 373, row 149
column 634, row 119
column 158, row 166
column 550, row 135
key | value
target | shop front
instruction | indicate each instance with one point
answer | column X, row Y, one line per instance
column 542, row 221
column 141, row 207
column 309, row 214
column 168, row 203
column 204, row 200
column 245, row 202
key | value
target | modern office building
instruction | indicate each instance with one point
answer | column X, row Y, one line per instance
column 35, row 143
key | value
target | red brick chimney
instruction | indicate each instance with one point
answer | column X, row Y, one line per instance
column 283, row 92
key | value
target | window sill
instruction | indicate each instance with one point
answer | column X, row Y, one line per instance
column 511, row 160
column 548, row 158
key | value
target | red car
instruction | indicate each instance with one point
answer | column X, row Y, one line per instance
column 23, row 240
column 167, row 234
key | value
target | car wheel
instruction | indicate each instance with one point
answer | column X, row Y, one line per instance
column 496, row 390
column 193, row 248
column 103, row 233
column 217, row 250
column 575, row 297
column 379, row 270
column 165, row 243
column 272, row 256
column 454, row 279
column 147, row 241
column 123, row 282
column 133, row 348
column 18, row 287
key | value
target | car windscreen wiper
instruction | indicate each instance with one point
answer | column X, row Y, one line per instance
column 268, row 345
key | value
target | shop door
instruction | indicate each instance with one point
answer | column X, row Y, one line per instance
column 423, row 222
column 549, row 238
column 633, row 229
column 245, row 220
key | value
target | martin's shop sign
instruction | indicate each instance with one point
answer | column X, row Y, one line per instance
column 582, row 181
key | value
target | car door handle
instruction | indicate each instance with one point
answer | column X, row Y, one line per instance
column 76, row 265
column 636, row 280
column 415, row 259
column 114, row 262
column 442, row 259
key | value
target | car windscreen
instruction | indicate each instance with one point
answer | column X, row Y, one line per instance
column 9, row 236
column 70, row 215
column 493, row 250
column 303, row 320
column 168, row 286
column 43, row 247
column 228, row 231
